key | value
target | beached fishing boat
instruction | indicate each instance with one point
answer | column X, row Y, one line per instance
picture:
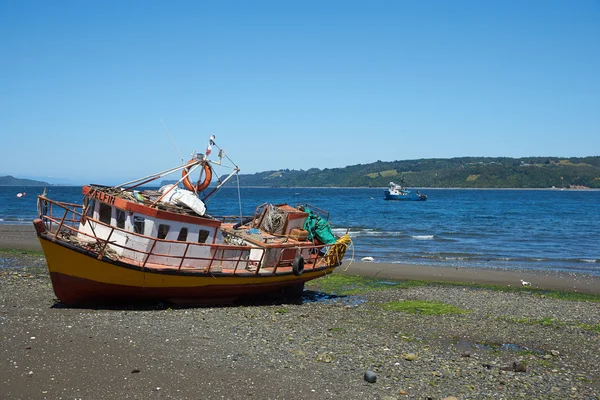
column 399, row 192
column 126, row 244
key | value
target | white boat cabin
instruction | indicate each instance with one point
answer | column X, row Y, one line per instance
column 137, row 225
column 131, row 227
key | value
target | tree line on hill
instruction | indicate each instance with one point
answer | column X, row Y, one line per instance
column 462, row 172
column 12, row 181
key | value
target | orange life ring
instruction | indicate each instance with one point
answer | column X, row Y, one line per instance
column 200, row 186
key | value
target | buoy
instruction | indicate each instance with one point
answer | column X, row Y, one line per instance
column 19, row 194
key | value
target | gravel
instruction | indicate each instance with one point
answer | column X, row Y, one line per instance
column 510, row 345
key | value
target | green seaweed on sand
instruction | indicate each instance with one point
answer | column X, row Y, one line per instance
column 544, row 321
column 543, row 293
column 30, row 261
column 590, row 327
column 353, row 284
column 20, row 252
column 570, row 296
column 424, row 307
column 342, row 284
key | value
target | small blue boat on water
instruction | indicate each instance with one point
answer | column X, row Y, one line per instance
column 398, row 192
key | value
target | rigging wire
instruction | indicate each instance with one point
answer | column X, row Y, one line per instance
column 212, row 142
column 239, row 196
column 172, row 141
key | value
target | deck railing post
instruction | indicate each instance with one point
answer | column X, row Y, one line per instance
column 105, row 244
column 62, row 221
column 316, row 262
column 238, row 261
column 212, row 259
column 262, row 257
column 278, row 261
column 149, row 253
column 52, row 216
column 187, row 246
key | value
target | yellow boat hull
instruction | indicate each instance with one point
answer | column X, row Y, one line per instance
column 80, row 278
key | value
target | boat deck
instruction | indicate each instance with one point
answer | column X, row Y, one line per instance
column 263, row 239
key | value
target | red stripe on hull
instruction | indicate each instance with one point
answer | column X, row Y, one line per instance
column 74, row 291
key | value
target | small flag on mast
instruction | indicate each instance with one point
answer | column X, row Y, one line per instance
column 210, row 142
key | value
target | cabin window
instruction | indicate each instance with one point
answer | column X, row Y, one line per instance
column 120, row 219
column 138, row 225
column 202, row 236
column 162, row 231
column 182, row 235
column 104, row 213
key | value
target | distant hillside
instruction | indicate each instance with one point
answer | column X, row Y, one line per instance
column 12, row 181
column 463, row 172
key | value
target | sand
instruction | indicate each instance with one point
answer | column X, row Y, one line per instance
column 507, row 345
column 23, row 237
column 538, row 279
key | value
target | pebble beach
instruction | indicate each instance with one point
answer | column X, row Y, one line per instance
column 332, row 344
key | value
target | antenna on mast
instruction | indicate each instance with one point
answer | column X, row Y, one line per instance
column 172, row 141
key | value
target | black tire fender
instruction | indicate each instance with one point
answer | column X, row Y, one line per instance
column 298, row 265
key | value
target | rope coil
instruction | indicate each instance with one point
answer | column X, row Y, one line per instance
column 274, row 220
column 336, row 252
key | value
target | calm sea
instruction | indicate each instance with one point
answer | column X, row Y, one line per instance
column 531, row 229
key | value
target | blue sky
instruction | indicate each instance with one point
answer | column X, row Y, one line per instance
column 292, row 84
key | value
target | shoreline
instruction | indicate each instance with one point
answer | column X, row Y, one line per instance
column 583, row 189
column 549, row 280
column 422, row 187
column 23, row 237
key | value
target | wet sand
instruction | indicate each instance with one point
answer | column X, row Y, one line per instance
column 538, row 279
column 23, row 237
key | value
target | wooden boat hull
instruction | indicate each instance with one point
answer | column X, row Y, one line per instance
column 80, row 278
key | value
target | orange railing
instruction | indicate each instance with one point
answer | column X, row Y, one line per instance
column 62, row 219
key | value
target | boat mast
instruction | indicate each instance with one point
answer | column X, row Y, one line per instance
column 197, row 160
column 221, row 155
